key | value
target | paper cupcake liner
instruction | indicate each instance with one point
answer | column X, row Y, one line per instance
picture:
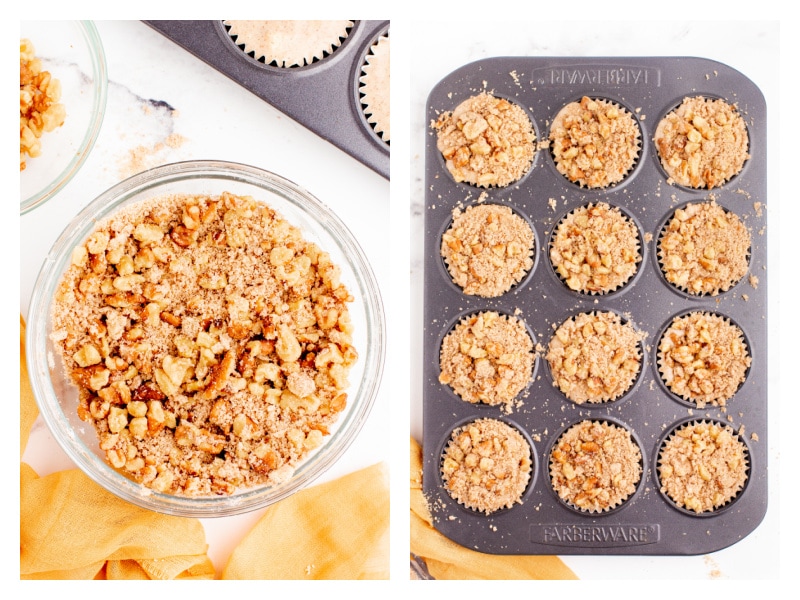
column 288, row 44
column 455, row 468
column 712, row 477
column 374, row 87
column 686, row 290
column 582, row 289
column 618, row 499
column 687, row 397
column 602, row 399
column 615, row 178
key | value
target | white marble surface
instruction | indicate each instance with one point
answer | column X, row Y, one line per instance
column 213, row 118
column 751, row 47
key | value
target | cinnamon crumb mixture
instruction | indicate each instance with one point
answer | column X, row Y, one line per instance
column 595, row 466
column 487, row 465
column 210, row 342
column 487, row 358
column 702, row 466
column 595, row 249
column 594, row 357
column 486, row 141
column 702, row 143
column 594, row 142
column 704, row 249
column 487, row 249
column 703, row 358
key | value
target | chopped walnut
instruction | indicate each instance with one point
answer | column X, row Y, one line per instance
column 488, row 249
column 487, row 358
column 702, row 466
column 595, row 249
column 702, row 143
column 486, row 465
column 39, row 108
column 595, row 143
column 595, row 466
column 703, row 358
column 594, row 357
column 486, row 141
column 704, row 249
column 211, row 344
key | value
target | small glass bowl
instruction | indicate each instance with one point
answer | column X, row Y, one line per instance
column 73, row 53
column 57, row 397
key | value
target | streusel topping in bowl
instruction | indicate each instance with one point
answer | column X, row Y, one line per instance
column 209, row 341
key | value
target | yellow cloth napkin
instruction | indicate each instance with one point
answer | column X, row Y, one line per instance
column 71, row 528
column 447, row 560
column 336, row 530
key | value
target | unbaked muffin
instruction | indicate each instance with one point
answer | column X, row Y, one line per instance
column 374, row 87
column 703, row 358
column 702, row 466
column 704, row 249
column 289, row 43
column 595, row 466
column 595, row 142
column 487, row 248
column 595, row 249
column 487, row 358
column 594, row 357
column 487, row 465
column 486, row 141
column 703, row 143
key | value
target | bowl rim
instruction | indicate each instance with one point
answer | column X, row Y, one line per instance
column 37, row 333
column 99, row 99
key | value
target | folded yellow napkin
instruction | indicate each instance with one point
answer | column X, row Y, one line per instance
column 71, row 528
column 447, row 560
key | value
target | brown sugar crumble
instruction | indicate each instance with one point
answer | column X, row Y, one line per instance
column 702, row 143
column 704, row 249
column 487, row 465
column 595, row 249
column 210, row 343
column 595, row 143
column 487, row 358
column 595, row 466
column 486, row 141
column 594, row 357
column 487, row 249
column 703, row 358
column 702, row 466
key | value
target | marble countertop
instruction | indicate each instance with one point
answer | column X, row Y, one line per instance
column 752, row 48
column 165, row 105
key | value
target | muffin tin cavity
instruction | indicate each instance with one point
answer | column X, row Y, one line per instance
column 374, row 88
column 614, row 382
column 320, row 90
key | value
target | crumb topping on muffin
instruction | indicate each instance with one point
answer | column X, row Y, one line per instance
column 487, row 358
column 487, row 465
column 702, row 466
column 486, row 141
column 702, row 143
column 487, row 249
column 595, row 249
column 703, row 358
column 594, row 142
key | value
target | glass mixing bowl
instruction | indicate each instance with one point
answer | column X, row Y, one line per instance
column 57, row 397
column 73, row 54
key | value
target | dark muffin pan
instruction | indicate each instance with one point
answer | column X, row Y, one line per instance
column 647, row 523
column 322, row 96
